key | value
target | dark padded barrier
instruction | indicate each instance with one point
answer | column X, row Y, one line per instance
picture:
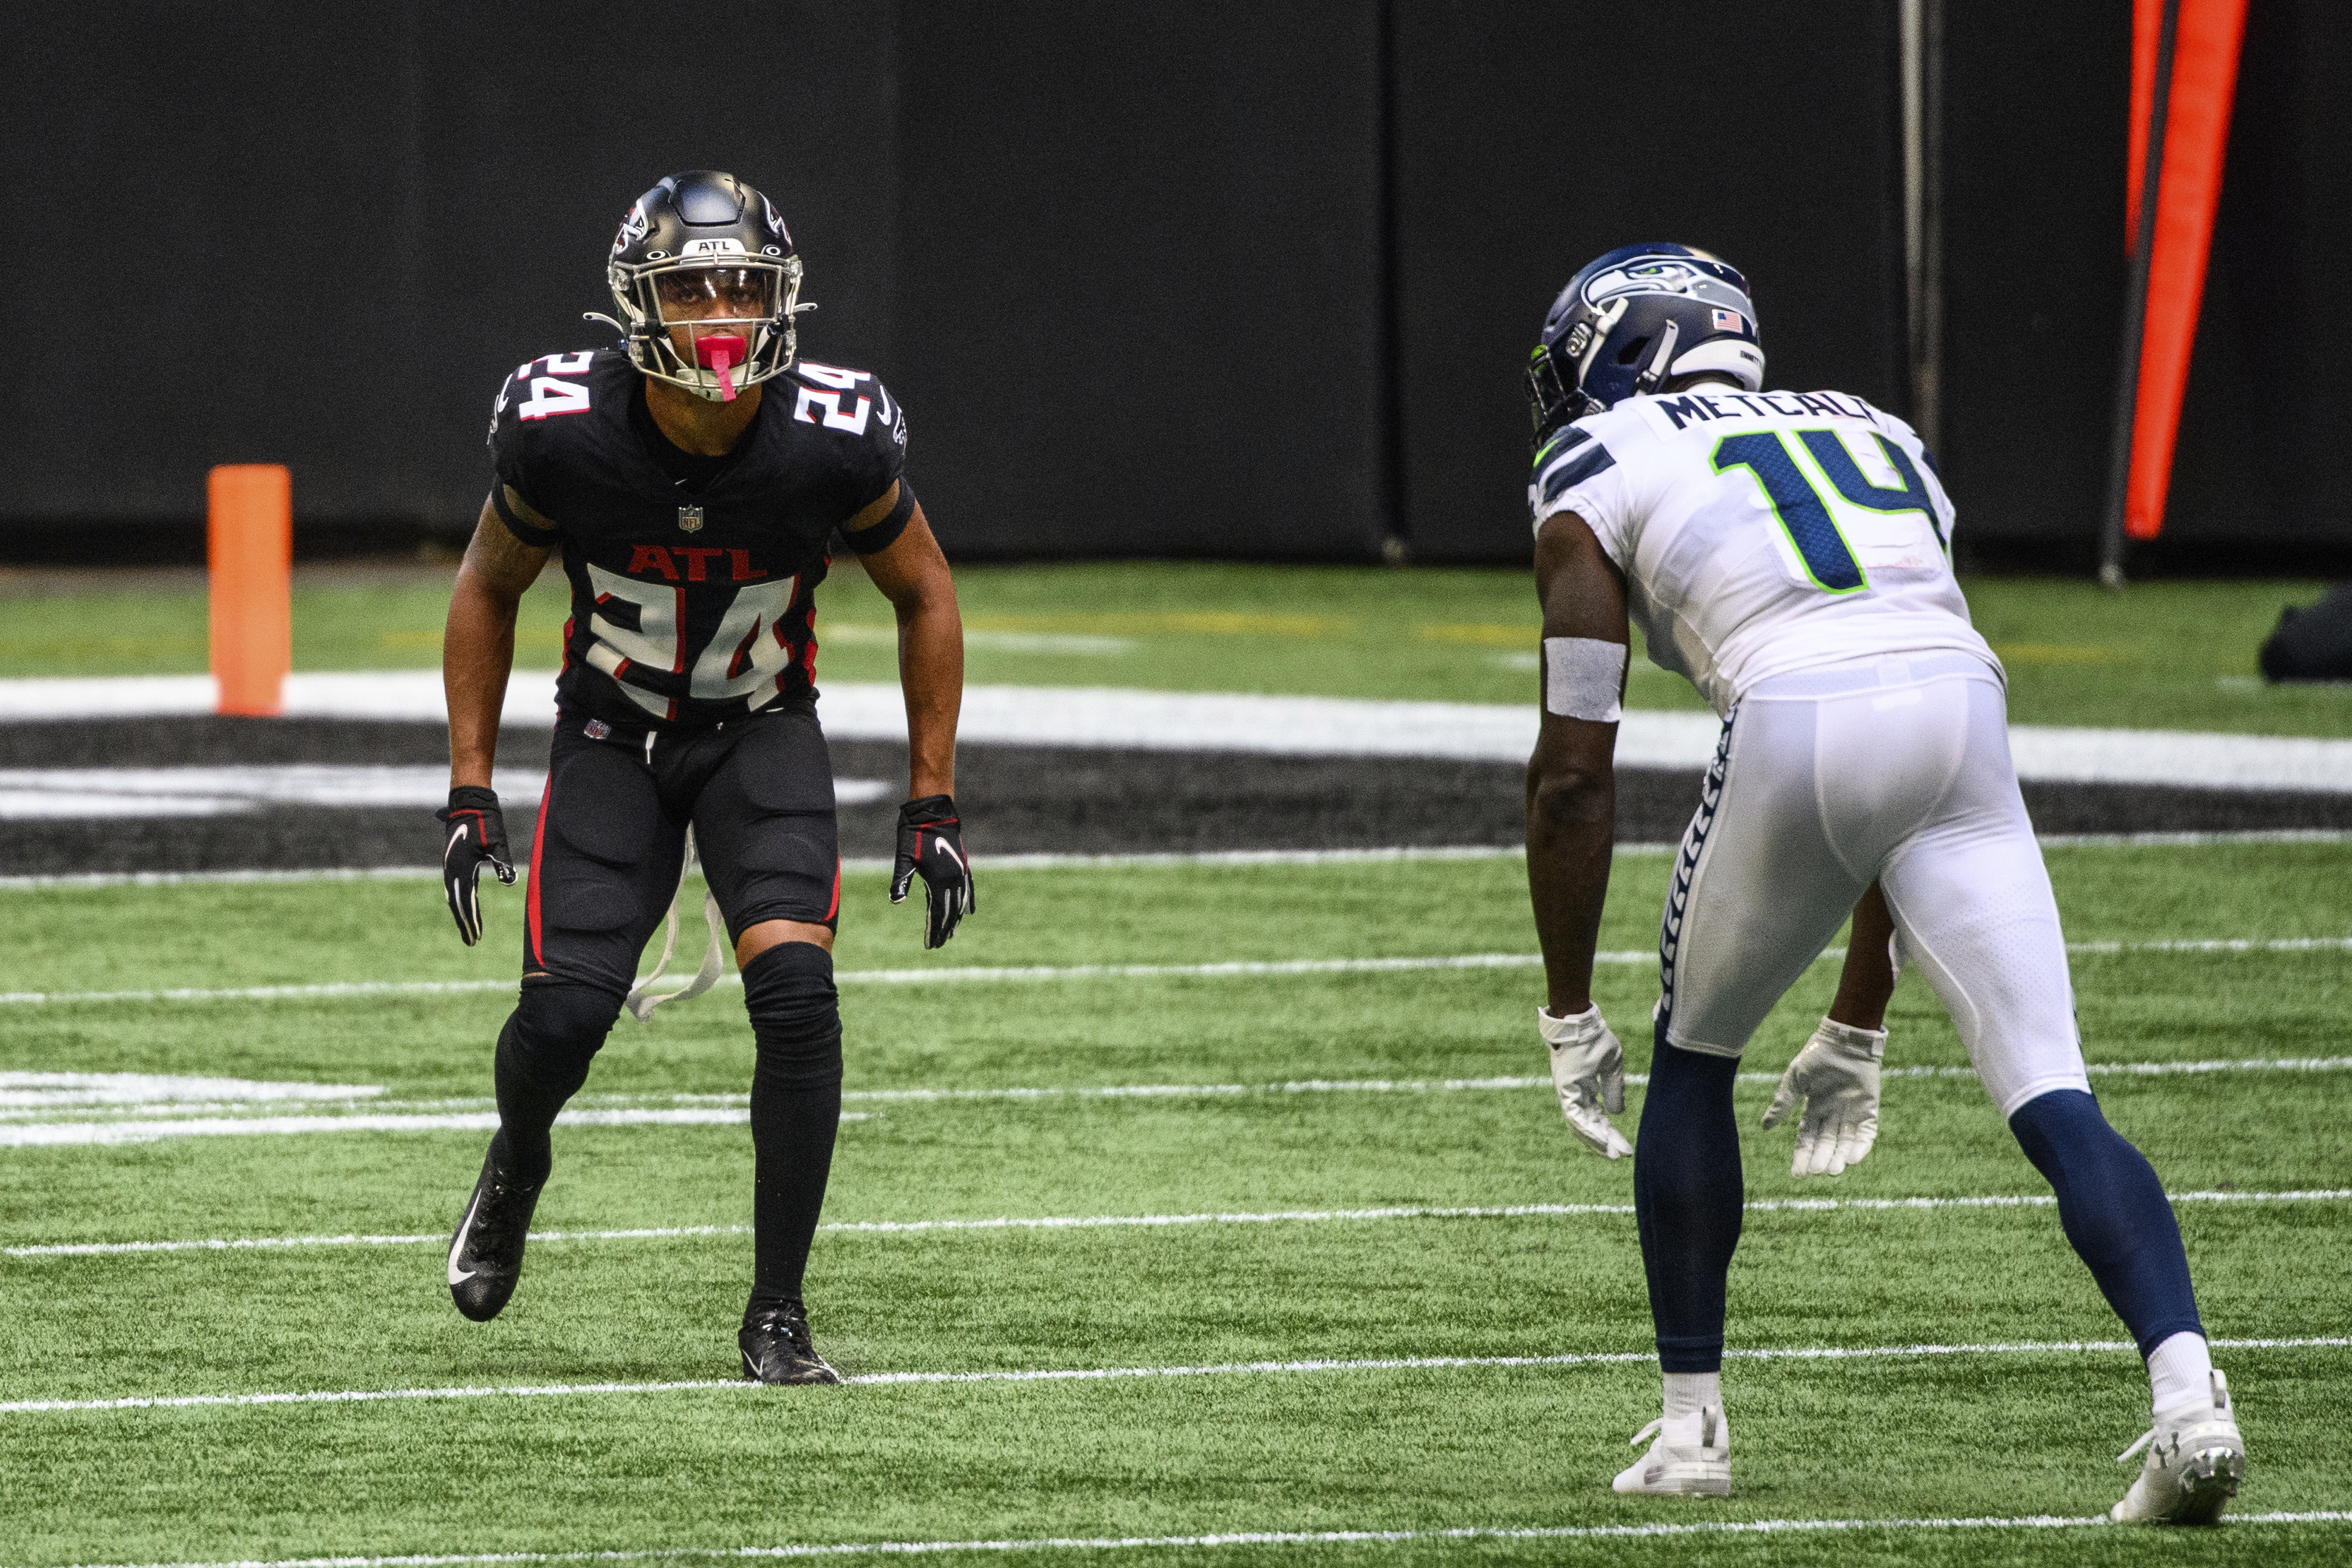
column 249, row 234
column 2035, row 147
column 1530, row 138
column 1139, row 278
column 2036, row 99
column 1209, row 280
column 2267, row 416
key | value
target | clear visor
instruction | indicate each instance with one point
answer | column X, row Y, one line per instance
column 713, row 294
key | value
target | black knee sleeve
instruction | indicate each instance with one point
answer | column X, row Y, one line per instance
column 795, row 1016
column 555, row 1032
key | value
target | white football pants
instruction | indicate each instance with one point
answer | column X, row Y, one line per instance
column 1894, row 770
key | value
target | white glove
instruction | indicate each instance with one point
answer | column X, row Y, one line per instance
column 1837, row 1075
column 1588, row 1071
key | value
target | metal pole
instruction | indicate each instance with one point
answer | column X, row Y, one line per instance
column 2111, row 536
column 1922, row 22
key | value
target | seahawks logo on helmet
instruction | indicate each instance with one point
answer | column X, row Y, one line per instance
column 1655, row 274
column 1632, row 320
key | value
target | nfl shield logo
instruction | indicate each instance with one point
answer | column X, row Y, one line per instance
column 1729, row 321
column 690, row 518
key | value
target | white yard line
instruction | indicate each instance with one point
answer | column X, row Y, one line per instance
column 1122, row 1374
column 1250, row 722
column 53, row 794
column 52, row 1134
column 1041, row 862
column 1240, row 969
column 1145, row 1222
column 1466, row 1533
column 22, row 1128
column 349, row 1098
column 37, row 1091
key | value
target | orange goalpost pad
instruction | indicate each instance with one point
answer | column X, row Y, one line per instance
column 250, row 527
column 2189, row 188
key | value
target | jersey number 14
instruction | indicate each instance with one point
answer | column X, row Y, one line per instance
column 1828, row 559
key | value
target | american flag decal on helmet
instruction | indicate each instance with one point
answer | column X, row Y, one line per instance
column 1730, row 322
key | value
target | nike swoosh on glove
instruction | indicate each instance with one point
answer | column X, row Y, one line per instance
column 931, row 844
column 1837, row 1075
column 477, row 837
column 1588, row 1072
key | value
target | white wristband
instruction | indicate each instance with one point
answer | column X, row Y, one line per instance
column 1582, row 677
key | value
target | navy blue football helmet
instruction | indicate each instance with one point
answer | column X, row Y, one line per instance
column 1633, row 319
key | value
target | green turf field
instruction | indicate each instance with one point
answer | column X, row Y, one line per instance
column 2161, row 654
column 1334, row 1099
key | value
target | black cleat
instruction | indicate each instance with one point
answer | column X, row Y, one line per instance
column 777, row 1348
column 486, row 1255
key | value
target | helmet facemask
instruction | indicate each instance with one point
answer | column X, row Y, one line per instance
column 713, row 323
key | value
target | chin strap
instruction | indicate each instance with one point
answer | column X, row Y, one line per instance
column 1655, row 373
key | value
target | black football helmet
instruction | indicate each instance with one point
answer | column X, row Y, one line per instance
column 1632, row 320
column 704, row 256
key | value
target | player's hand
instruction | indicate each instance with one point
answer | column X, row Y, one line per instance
column 931, row 844
column 1588, row 1072
column 477, row 837
column 1837, row 1075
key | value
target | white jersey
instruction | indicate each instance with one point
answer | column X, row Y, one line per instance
column 1763, row 532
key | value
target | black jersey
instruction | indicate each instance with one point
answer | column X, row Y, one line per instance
column 692, row 580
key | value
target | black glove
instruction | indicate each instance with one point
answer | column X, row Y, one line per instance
column 478, row 837
column 930, row 841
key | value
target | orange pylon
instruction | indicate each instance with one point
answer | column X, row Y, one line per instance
column 251, row 550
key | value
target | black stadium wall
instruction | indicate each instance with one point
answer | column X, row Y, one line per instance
column 1211, row 280
column 1527, row 144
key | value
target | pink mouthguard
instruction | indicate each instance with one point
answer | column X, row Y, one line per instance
column 720, row 352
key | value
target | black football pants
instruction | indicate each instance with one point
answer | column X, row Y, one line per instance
column 606, row 859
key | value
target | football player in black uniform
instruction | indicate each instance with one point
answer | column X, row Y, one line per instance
column 692, row 480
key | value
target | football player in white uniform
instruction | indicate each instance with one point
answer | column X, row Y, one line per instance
column 1789, row 553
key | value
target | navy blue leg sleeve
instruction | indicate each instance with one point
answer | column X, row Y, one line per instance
column 795, row 1110
column 2115, row 1213
column 1688, row 1197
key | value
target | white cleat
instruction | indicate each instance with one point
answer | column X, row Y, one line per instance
column 2195, row 1460
column 1692, row 1457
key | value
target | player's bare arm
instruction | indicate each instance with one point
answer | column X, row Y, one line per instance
column 1572, row 777
column 477, row 654
column 913, row 575
column 1868, row 979
column 1573, row 815
column 477, row 645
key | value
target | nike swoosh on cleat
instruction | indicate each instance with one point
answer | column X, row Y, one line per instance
column 458, row 1276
